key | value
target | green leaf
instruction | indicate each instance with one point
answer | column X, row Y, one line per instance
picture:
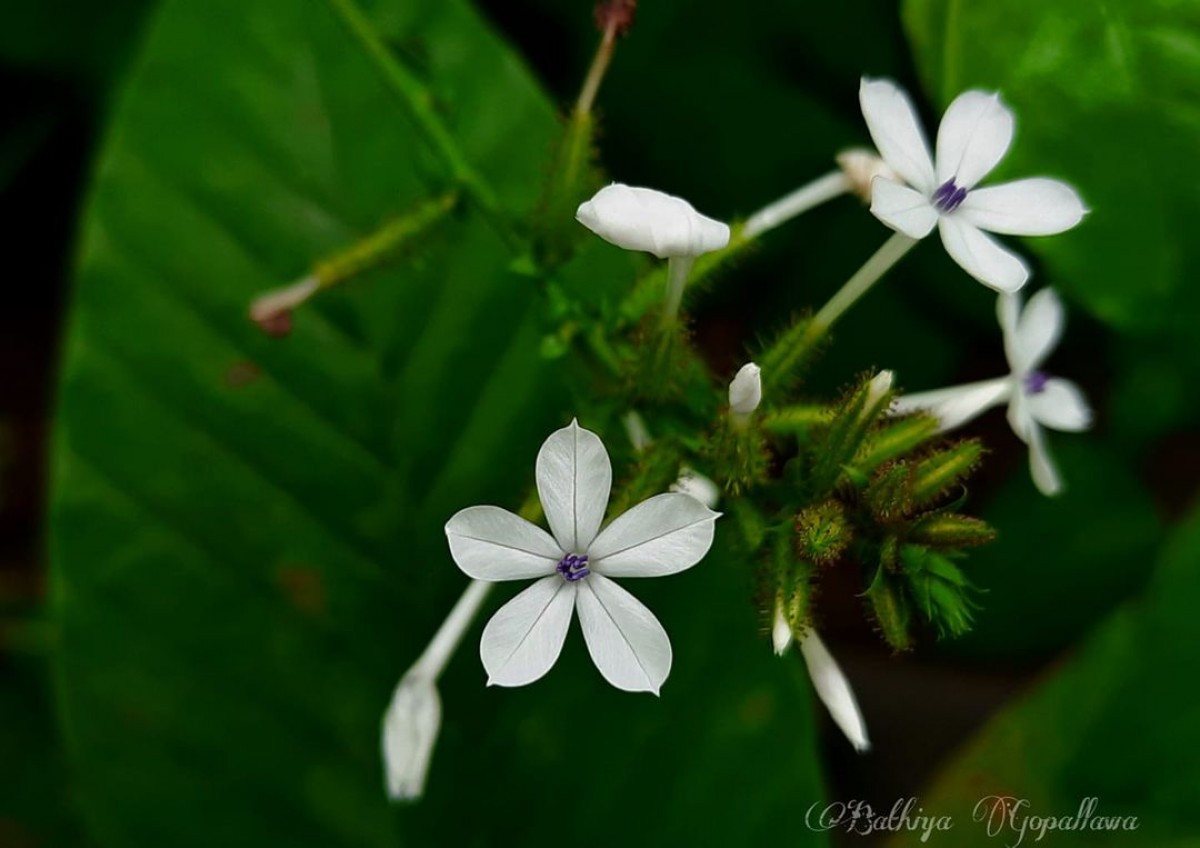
column 247, row 532
column 1120, row 722
column 1105, row 97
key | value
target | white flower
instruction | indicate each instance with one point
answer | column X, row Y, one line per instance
column 745, row 390
column 410, row 729
column 662, row 535
column 1034, row 399
column 649, row 220
column 827, row 678
column 973, row 137
column 861, row 166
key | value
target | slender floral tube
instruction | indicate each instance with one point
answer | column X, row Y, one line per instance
column 796, row 203
column 892, row 251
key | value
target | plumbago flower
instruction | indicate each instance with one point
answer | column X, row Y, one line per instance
column 574, row 568
column 1035, row 400
column 974, row 135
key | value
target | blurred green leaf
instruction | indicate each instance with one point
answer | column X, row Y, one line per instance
column 247, row 534
column 1119, row 722
column 1106, row 96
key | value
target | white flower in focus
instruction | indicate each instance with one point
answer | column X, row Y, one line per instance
column 649, row 220
column 694, row 484
column 410, row 729
column 974, row 135
column 574, row 568
column 1035, row 400
column 745, row 391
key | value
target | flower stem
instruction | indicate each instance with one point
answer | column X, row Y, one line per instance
column 799, row 201
column 591, row 84
column 446, row 640
column 677, row 274
column 866, row 276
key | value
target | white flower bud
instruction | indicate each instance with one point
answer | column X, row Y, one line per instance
column 881, row 384
column 649, row 220
column 781, row 631
column 745, row 392
column 691, row 482
column 410, row 729
column 834, row 690
column 861, row 166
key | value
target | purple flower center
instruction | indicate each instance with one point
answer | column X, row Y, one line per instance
column 573, row 567
column 948, row 196
column 1035, row 382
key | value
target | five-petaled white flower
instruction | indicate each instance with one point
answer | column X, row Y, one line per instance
column 1034, row 399
column 974, row 135
column 662, row 535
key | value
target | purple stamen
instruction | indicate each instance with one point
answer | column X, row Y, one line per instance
column 573, row 567
column 1035, row 382
column 948, row 196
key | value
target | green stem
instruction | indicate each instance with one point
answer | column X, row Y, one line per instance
column 866, row 276
column 421, row 109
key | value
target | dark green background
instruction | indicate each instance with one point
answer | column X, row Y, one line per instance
column 244, row 534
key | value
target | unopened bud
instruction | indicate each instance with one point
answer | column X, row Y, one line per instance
column 781, row 631
column 616, row 15
column 822, row 532
column 745, row 391
column 950, row 530
column 650, row 220
column 273, row 310
column 834, row 690
column 861, row 166
column 410, row 730
column 694, row 484
column 943, row 469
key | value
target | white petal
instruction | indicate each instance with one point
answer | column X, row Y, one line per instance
column 834, row 690
column 1019, row 417
column 650, row 220
column 781, row 631
column 1060, row 405
column 1037, row 331
column 745, row 390
column 896, row 131
column 981, row 256
column 490, row 543
column 626, row 642
column 1032, row 207
column 526, row 635
column 902, row 208
column 662, row 535
column 410, row 729
column 574, row 476
column 974, row 135
column 1041, row 466
column 956, row 405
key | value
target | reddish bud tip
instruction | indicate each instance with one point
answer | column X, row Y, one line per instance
column 615, row 14
column 277, row 325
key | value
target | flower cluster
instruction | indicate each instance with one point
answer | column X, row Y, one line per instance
column 866, row 482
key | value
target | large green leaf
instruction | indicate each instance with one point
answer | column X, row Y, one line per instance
column 1120, row 722
column 247, row 535
column 1106, row 96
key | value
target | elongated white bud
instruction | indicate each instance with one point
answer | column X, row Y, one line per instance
column 410, row 730
column 745, row 392
column 880, row 385
column 694, row 484
column 781, row 631
column 649, row 220
column 834, row 690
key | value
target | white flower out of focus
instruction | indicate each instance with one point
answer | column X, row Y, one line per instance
column 410, row 730
column 574, row 566
column 745, row 391
column 651, row 221
column 1035, row 399
column 694, row 484
column 974, row 135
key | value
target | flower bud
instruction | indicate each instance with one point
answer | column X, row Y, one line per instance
column 694, row 484
column 649, row 220
column 877, row 393
column 781, row 631
column 745, row 392
column 273, row 311
column 861, row 166
column 410, row 729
